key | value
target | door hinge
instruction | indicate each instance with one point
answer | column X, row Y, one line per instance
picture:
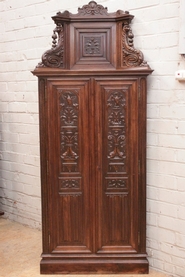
column 139, row 167
column 139, row 238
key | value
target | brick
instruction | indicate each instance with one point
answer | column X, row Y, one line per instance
column 160, row 180
column 167, row 223
column 152, row 166
column 181, row 128
column 173, row 141
column 23, row 128
column 180, row 184
column 181, row 155
column 163, row 96
column 152, row 244
column 180, row 240
column 29, row 139
column 168, row 196
column 152, row 139
column 32, row 107
column 172, row 112
column 158, row 264
column 3, row 88
column 17, row 107
column 180, row 270
column 152, row 219
column 169, row 267
column 164, row 235
column 21, row 118
column 163, row 126
column 152, row 193
column 162, row 153
column 166, row 209
column 32, row 160
column 152, row 111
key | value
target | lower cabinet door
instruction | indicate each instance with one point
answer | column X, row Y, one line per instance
column 70, row 211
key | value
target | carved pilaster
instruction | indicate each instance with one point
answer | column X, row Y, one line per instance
column 131, row 56
column 55, row 56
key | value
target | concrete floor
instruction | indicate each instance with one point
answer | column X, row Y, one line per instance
column 20, row 249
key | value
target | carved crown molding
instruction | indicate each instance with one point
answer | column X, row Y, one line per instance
column 55, row 56
column 131, row 57
column 92, row 9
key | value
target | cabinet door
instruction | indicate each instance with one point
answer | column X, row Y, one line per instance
column 68, row 166
column 117, row 165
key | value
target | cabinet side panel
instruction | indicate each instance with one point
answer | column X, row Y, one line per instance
column 43, row 160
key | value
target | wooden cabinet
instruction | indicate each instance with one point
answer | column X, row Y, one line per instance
column 92, row 106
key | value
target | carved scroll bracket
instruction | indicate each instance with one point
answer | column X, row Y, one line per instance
column 55, row 56
column 131, row 56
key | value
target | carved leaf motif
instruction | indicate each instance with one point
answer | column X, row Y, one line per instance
column 92, row 9
column 131, row 56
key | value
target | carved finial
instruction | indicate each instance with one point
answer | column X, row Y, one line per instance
column 92, row 9
column 131, row 56
column 54, row 56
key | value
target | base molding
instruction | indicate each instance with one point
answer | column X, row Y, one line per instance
column 94, row 266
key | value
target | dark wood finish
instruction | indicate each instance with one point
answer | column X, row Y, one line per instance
column 92, row 103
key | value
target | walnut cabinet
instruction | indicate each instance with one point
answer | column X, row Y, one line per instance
column 92, row 107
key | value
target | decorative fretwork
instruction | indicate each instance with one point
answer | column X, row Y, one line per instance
column 116, row 150
column 69, row 184
column 55, row 56
column 116, row 183
column 131, row 56
column 69, row 130
column 92, row 9
column 92, row 45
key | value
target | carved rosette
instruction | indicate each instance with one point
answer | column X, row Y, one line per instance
column 55, row 56
column 92, row 45
column 131, row 56
column 92, row 9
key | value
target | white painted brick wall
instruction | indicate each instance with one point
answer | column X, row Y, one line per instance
column 25, row 33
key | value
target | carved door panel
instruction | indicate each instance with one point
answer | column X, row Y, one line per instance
column 68, row 172
column 117, row 160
